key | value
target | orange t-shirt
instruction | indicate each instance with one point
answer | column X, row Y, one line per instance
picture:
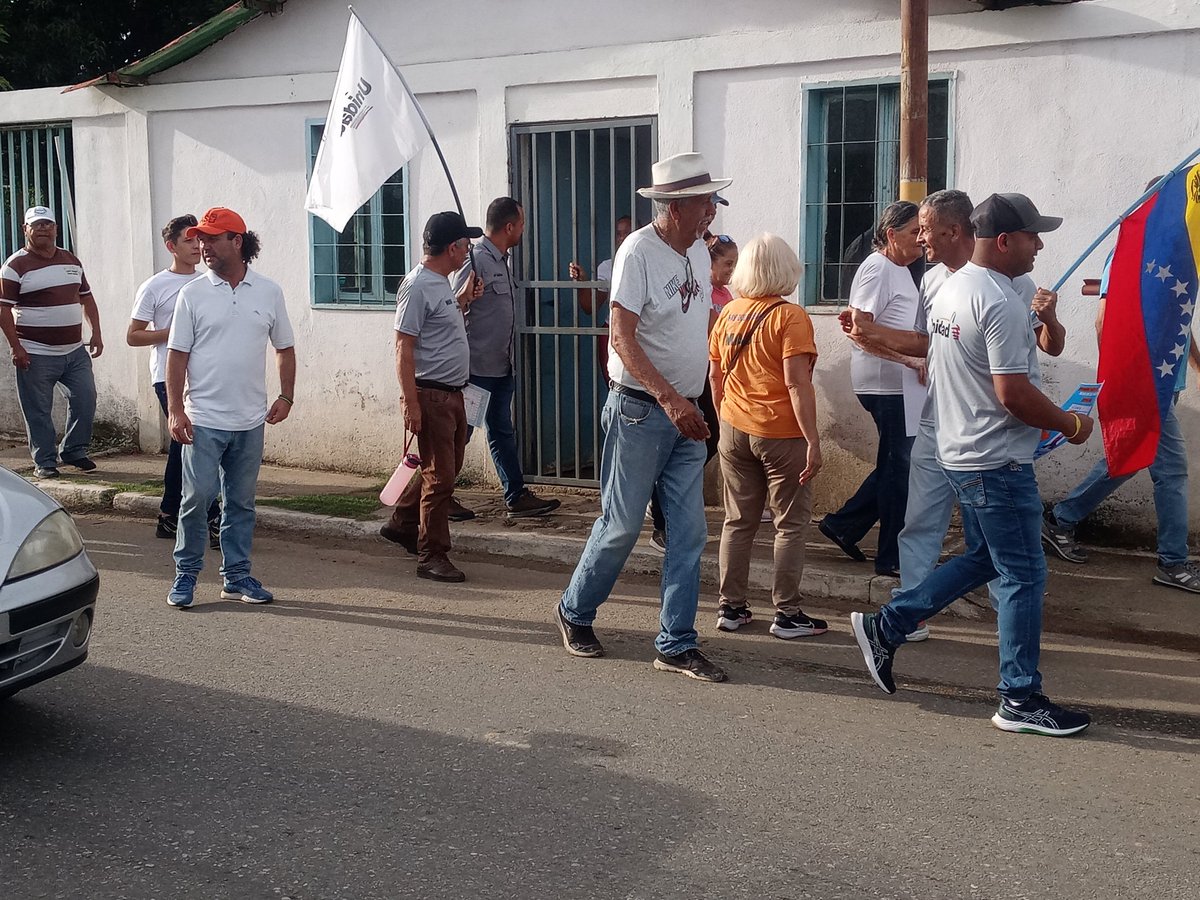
column 756, row 398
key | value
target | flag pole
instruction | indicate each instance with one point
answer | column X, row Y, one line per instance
column 420, row 112
column 1154, row 189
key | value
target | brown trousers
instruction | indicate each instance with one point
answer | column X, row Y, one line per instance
column 424, row 505
column 761, row 470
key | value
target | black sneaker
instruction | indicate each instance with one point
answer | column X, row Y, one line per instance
column 167, row 527
column 800, row 625
column 406, row 539
column 658, row 542
column 458, row 512
column 214, row 534
column 83, row 464
column 580, row 640
column 731, row 618
column 1038, row 715
column 530, row 504
column 848, row 547
column 877, row 652
column 1062, row 540
column 46, row 472
column 691, row 663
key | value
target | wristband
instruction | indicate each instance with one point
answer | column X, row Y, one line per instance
column 287, row 400
column 1078, row 426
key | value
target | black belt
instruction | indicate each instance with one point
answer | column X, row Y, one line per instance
column 636, row 394
column 438, row 386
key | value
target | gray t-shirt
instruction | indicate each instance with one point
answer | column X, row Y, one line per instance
column 427, row 309
column 491, row 320
column 979, row 326
column 672, row 295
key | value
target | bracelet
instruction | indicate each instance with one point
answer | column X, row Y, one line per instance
column 287, row 400
column 1078, row 426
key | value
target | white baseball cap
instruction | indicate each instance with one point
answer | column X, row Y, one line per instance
column 38, row 214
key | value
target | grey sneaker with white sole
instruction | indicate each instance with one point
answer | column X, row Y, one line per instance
column 1185, row 576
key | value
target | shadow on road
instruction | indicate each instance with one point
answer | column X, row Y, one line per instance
column 138, row 786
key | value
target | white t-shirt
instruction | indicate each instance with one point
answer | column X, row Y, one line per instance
column 604, row 271
column 934, row 278
column 673, row 300
column 979, row 326
column 888, row 292
column 155, row 303
column 225, row 330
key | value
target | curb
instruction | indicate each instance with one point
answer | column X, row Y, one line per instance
column 817, row 584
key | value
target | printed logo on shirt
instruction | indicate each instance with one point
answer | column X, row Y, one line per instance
column 945, row 328
column 687, row 290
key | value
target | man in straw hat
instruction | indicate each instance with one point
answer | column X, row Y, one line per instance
column 654, row 431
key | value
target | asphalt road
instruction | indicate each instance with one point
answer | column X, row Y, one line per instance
column 370, row 735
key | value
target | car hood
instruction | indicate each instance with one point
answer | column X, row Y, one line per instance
column 22, row 506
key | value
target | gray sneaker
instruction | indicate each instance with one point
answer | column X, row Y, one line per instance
column 1062, row 540
column 1185, row 576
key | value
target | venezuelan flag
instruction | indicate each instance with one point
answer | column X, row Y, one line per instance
column 1147, row 320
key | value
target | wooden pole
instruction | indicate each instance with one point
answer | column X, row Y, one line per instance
column 914, row 99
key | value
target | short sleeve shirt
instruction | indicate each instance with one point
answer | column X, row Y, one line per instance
column 46, row 296
column 225, row 331
column 756, row 399
column 672, row 296
column 427, row 309
column 491, row 320
column 979, row 326
column 155, row 304
column 888, row 293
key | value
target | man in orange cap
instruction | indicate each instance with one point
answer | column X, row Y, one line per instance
column 217, row 346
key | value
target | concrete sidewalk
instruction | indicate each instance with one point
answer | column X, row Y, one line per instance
column 1111, row 598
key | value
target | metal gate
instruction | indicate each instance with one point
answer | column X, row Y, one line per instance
column 36, row 169
column 574, row 180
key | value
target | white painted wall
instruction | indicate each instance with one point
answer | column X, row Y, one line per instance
column 1075, row 105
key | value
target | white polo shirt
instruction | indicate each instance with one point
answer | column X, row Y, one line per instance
column 225, row 330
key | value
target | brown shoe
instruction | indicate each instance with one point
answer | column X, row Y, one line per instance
column 530, row 504
column 404, row 539
column 439, row 568
column 458, row 512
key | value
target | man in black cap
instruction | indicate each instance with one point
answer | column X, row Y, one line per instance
column 433, row 363
column 990, row 414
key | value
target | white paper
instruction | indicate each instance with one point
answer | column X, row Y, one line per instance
column 914, row 400
column 475, row 401
column 373, row 128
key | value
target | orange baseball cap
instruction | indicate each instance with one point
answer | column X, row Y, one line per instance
column 218, row 220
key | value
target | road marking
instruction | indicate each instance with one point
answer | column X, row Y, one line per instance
column 94, row 550
column 110, row 544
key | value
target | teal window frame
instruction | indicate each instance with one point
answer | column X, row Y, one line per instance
column 357, row 256
column 880, row 144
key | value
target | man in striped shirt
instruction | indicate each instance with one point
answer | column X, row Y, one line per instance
column 44, row 297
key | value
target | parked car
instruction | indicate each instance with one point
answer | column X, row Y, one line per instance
column 48, row 591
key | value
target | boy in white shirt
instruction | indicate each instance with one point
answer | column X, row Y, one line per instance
column 149, row 325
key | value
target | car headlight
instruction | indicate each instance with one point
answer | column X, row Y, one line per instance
column 54, row 541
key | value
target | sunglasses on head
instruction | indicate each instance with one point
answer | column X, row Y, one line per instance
column 724, row 239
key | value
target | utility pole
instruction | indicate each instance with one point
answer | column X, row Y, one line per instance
column 914, row 99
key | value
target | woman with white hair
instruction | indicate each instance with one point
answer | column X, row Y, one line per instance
column 761, row 358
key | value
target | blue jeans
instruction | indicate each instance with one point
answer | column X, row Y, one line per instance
column 642, row 451
column 1002, row 524
column 883, row 496
column 35, row 390
column 1169, row 474
column 173, row 473
column 502, row 440
column 218, row 463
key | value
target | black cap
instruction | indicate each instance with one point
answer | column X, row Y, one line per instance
column 444, row 228
column 1005, row 213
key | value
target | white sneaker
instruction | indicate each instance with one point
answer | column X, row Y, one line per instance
column 920, row 634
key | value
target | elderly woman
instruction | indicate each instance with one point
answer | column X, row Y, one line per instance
column 885, row 292
column 761, row 358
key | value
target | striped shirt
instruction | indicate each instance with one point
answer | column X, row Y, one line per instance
column 46, row 298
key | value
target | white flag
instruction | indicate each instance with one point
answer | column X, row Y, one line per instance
column 374, row 127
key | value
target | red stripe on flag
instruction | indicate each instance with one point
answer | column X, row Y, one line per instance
column 1128, row 405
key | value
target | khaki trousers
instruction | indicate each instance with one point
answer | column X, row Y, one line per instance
column 760, row 471
column 424, row 507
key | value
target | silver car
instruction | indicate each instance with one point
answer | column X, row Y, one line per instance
column 49, row 587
